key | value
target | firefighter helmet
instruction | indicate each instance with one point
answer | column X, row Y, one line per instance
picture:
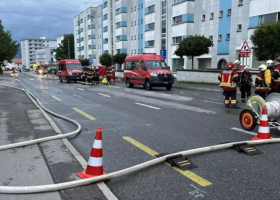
column 246, row 68
column 229, row 65
column 236, row 62
column 269, row 62
column 262, row 67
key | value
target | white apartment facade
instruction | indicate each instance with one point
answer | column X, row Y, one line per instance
column 30, row 46
column 46, row 55
column 147, row 26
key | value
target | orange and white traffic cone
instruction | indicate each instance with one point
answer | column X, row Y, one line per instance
column 263, row 132
column 95, row 162
column 119, row 79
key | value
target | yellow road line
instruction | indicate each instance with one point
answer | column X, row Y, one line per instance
column 85, row 114
column 58, row 99
column 189, row 174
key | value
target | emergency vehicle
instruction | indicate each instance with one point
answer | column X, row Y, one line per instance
column 148, row 70
column 69, row 70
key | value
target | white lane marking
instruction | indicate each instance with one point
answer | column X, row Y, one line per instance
column 196, row 94
column 80, row 89
column 187, row 98
column 105, row 95
column 148, row 106
column 213, row 99
column 31, row 79
column 213, row 102
column 168, row 95
column 114, row 87
column 241, row 130
column 67, row 85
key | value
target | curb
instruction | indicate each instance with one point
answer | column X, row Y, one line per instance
column 101, row 185
column 196, row 88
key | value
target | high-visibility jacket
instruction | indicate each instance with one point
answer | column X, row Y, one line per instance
column 89, row 75
column 261, row 86
column 276, row 77
column 228, row 79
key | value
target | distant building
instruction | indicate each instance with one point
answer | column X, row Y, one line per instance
column 29, row 47
column 46, row 55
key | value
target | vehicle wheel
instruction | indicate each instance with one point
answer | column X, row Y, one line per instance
column 144, row 86
column 60, row 79
column 169, row 87
column 75, row 81
column 128, row 84
column 148, row 85
column 248, row 119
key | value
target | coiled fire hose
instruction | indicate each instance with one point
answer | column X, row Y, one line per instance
column 82, row 182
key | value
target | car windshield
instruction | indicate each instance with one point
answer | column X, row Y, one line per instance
column 156, row 64
column 74, row 66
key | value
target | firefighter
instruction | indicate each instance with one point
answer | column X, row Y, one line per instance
column 84, row 76
column 276, row 78
column 96, row 76
column 269, row 65
column 261, row 86
column 237, row 65
column 107, row 73
column 245, row 83
column 89, row 76
column 228, row 79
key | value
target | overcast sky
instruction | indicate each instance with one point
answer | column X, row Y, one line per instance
column 36, row 18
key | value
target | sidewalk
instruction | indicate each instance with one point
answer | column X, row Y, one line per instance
column 201, row 87
column 45, row 163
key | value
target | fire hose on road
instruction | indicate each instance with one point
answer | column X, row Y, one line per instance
column 82, row 182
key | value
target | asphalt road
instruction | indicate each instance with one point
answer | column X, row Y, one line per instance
column 163, row 121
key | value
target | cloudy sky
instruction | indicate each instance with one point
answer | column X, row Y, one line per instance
column 36, row 18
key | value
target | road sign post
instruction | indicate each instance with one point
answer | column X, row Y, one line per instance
column 163, row 53
column 245, row 52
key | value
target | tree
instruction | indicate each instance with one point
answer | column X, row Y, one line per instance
column 266, row 40
column 119, row 58
column 193, row 46
column 62, row 51
column 8, row 47
column 84, row 62
column 106, row 59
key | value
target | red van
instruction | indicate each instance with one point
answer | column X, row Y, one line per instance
column 148, row 70
column 69, row 70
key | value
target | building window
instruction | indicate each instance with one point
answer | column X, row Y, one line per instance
column 240, row 3
column 131, row 23
column 138, row 7
column 142, row 5
column 105, row 17
column 138, row 21
column 134, row 23
column 178, row 1
column 178, row 19
column 141, row 21
column 220, row 38
column 239, row 27
column 141, row 36
column 177, row 40
column 268, row 18
column 151, row 43
column 229, row 12
column 211, row 37
column 150, row 26
column 135, row 8
column 211, row 16
column 221, row 14
column 131, row 37
column 105, row 4
column 131, row 9
column 135, row 37
column 203, row 17
column 150, row 9
column 228, row 37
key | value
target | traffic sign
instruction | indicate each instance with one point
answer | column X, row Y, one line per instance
column 163, row 53
column 245, row 49
column 90, row 61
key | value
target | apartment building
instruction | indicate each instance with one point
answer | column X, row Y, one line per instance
column 46, row 55
column 147, row 26
column 30, row 46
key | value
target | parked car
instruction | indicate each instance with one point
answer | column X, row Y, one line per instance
column 149, row 70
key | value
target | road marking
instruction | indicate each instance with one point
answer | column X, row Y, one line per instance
column 105, row 95
column 31, row 79
column 148, row 106
column 84, row 114
column 213, row 99
column 168, row 95
column 67, row 85
column 191, row 175
column 213, row 102
column 45, row 91
column 187, row 98
column 58, row 99
column 241, row 130
column 114, row 87
column 80, row 89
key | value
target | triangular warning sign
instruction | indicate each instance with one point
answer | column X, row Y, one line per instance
column 104, row 80
column 245, row 48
